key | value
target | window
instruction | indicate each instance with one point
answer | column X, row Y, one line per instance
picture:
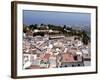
column 72, row 65
column 65, row 65
column 78, row 64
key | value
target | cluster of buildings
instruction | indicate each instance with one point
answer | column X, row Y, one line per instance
column 54, row 51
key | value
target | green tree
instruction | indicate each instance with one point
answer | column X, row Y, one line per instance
column 32, row 27
column 85, row 38
column 25, row 29
column 64, row 27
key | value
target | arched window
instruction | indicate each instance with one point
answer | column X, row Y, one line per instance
column 78, row 64
column 65, row 65
column 72, row 65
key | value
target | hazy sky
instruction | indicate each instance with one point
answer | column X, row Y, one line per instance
column 57, row 18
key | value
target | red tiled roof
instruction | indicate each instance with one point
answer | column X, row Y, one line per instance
column 47, row 56
column 67, row 57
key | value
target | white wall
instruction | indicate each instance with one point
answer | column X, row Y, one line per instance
column 5, row 41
